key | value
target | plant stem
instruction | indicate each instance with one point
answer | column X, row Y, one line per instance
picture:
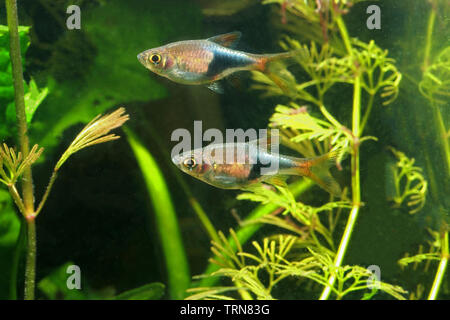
column 17, row 199
column 356, row 188
column 443, row 140
column 329, row 116
column 30, row 270
column 367, row 113
column 203, row 217
column 245, row 295
column 431, row 20
column 444, row 144
column 16, row 259
column 17, row 72
column 47, row 191
column 344, row 34
column 27, row 180
column 441, row 269
column 356, row 194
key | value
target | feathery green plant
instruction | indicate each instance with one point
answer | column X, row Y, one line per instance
column 435, row 87
column 331, row 59
column 369, row 70
column 279, row 258
column 252, row 223
column 439, row 250
column 432, row 254
column 410, row 184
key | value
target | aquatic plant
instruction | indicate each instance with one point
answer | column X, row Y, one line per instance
column 259, row 273
column 176, row 261
column 331, row 59
column 438, row 250
column 410, row 184
column 71, row 85
column 19, row 165
column 33, row 96
column 434, row 86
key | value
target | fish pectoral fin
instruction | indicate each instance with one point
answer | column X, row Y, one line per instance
column 228, row 40
column 216, row 87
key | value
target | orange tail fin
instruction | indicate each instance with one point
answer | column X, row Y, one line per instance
column 266, row 60
column 317, row 169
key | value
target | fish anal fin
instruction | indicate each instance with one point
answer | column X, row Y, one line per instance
column 216, row 87
column 274, row 66
column 284, row 80
column 278, row 180
column 228, row 40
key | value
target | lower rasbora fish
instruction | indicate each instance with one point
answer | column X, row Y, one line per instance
column 204, row 62
column 249, row 165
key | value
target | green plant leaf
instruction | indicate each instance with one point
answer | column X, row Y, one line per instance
column 151, row 291
column 33, row 96
column 33, row 99
column 166, row 219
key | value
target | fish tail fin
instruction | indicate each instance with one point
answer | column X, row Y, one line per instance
column 274, row 66
column 318, row 170
column 265, row 61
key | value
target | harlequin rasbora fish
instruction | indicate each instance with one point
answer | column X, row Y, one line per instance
column 204, row 62
column 250, row 165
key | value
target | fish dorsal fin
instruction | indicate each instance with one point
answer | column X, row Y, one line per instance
column 228, row 40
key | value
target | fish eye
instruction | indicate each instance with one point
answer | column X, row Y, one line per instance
column 155, row 58
column 190, row 163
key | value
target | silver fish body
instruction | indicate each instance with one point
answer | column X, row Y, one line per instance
column 240, row 165
column 203, row 62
